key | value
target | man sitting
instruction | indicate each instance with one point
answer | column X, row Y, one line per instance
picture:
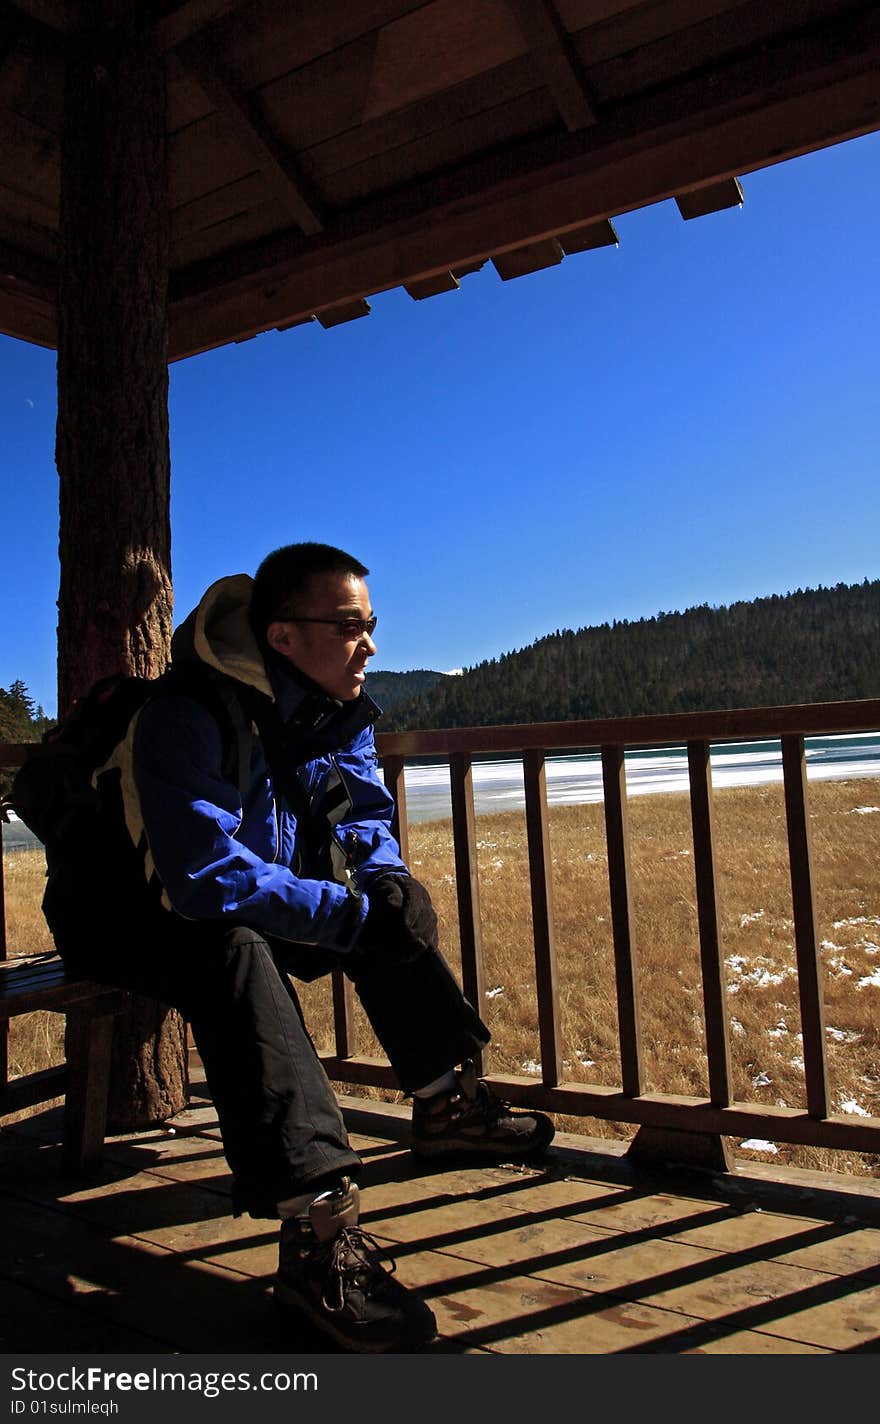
column 289, row 867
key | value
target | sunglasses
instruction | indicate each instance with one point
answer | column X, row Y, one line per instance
column 350, row 629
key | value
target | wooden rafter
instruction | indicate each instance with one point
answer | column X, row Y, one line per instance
column 188, row 19
column 23, row 272
column 557, row 60
column 589, row 237
column 345, row 311
column 531, row 257
column 64, row 16
column 712, row 198
column 432, row 286
column 761, row 109
column 8, row 45
column 251, row 128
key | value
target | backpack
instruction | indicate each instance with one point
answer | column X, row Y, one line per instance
column 77, row 815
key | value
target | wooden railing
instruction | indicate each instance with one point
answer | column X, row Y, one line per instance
column 694, row 1125
column 660, row 1117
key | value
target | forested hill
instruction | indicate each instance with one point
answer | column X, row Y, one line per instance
column 814, row 645
column 390, row 689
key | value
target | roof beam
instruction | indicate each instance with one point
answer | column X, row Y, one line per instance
column 557, row 60
column 712, row 198
column 762, row 109
column 432, row 286
column 188, row 19
column 28, row 319
column 24, row 273
column 532, row 257
column 589, row 237
column 66, row 17
column 345, row 311
column 240, row 112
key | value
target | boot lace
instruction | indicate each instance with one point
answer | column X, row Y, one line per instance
column 488, row 1106
column 352, row 1259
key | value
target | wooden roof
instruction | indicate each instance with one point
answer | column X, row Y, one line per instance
column 325, row 150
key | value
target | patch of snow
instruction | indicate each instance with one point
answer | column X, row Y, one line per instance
column 864, row 810
column 736, row 1026
column 756, row 1144
column 870, row 981
column 760, row 975
column 761, row 1080
column 779, row 1031
column 493, row 993
column 849, row 1105
column 750, row 919
column 532, row 1068
column 843, row 1035
column 859, row 920
column 840, row 967
column 762, row 978
column 796, row 1063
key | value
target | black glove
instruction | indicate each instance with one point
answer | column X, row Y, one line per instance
column 400, row 911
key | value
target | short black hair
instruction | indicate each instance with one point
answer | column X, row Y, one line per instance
column 285, row 575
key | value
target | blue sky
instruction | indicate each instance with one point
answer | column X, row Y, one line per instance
column 691, row 417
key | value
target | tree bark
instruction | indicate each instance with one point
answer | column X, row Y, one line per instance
column 112, row 445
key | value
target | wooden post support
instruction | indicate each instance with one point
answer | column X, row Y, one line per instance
column 112, row 447
column 671, row 1147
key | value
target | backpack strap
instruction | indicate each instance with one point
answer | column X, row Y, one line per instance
column 279, row 749
column 224, row 698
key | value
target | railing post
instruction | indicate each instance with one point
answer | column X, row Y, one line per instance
column 617, row 838
column 541, row 881
column 674, row 1146
column 4, row 1027
column 467, row 883
column 393, row 772
column 714, row 997
column 343, row 1014
column 794, row 772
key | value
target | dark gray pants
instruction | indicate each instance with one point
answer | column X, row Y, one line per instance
column 281, row 1124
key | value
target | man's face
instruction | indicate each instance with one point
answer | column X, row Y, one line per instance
column 331, row 657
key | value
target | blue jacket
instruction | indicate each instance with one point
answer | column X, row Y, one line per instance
column 244, row 853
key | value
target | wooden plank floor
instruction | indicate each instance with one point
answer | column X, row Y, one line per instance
column 581, row 1255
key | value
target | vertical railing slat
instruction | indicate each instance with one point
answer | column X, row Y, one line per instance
column 714, row 997
column 343, row 1014
column 393, row 773
column 794, row 772
column 541, row 883
column 467, row 883
column 4, row 1027
column 617, row 838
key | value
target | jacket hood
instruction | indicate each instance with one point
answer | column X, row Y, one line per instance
column 218, row 632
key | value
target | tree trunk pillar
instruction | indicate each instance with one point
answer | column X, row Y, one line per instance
column 112, row 446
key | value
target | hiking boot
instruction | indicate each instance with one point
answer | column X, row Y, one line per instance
column 471, row 1119
column 330, row 1270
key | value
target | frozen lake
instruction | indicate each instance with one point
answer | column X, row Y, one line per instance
column 577, row 779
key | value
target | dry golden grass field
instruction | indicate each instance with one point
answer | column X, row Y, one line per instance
column 756, row 934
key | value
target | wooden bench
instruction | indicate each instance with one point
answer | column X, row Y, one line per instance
column 30, row 985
